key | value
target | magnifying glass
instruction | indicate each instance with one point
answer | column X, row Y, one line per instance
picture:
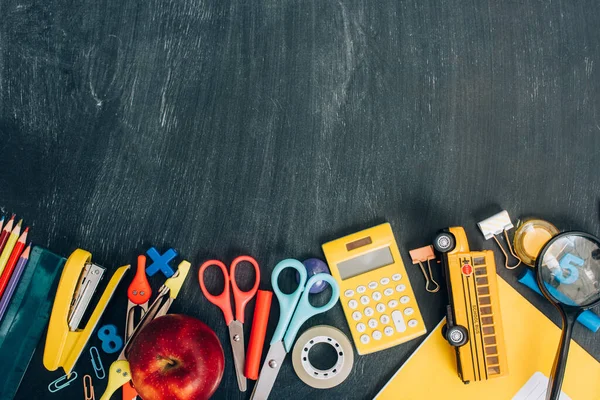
column 568, row 274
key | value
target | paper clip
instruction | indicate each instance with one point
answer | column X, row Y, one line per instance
column 62, row 382
column 97, row 363
column 495, row 225
column 88, row 388
column 421, row 255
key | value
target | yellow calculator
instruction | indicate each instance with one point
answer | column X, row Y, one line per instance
column 376, row 295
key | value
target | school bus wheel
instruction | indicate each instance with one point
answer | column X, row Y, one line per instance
column 444, row 242
column 457, row 335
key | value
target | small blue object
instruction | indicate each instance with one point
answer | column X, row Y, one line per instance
column 569, row 265
column 586, row 318
column 111, row 342
column 315, row 266
column 161, row 262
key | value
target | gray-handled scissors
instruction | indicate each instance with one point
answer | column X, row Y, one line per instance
column 295, row 309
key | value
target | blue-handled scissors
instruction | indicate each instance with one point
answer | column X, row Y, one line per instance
column 295, row 309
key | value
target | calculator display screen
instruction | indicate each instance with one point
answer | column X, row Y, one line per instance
column 365, row 263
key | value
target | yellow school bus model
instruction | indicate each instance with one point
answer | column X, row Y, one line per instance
column 473, row 320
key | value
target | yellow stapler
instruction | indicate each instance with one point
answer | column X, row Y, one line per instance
column 78, row 282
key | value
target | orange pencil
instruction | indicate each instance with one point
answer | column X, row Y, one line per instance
column 6, row 232
column 12, row 261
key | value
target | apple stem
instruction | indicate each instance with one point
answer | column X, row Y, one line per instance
column 169, row 363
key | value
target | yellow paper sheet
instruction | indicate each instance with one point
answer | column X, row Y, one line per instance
column 531, row 341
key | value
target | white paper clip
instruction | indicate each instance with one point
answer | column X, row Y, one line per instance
column 495, row 225
column 97, row 363
column 62, row 382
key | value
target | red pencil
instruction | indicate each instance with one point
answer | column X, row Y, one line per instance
column 6, row 232
column 12, row 261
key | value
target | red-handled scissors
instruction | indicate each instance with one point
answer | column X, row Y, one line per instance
column 223, row 301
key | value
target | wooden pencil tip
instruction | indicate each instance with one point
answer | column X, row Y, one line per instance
column 25, row 253
column 13, row 216
column 20, row 222
column 26, row 230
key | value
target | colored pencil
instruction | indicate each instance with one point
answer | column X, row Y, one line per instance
column 6, row 232
column 1, row 222
column 12, row 261
column 14, row 280
column 10, row 245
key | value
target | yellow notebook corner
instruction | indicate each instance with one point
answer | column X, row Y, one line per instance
column 531, row 342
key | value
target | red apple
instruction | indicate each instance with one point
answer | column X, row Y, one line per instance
column 176, row 357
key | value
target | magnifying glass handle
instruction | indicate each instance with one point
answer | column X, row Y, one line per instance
column 560, row 361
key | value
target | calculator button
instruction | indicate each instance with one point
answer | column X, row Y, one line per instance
column 396, row 277
column 353, row 304
column 388, row 291
column 369, row 311
column 376, row 296
column 365, row 300
column 393, row 303
column 376, row 335
column 380, row 307
column 408, row 311
column 384, row 319
column 356, row 315
column 412, row 323
column 361, row 289
column 398, row 321
column 384, row 281
column 389, row 331
column 373, row 323
column 400, row 288
column 361, row 327
column 404, row 299
column 372, row 285
column 349, row 293
column 364, row 339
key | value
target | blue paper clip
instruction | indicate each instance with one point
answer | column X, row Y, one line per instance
column 62, row 382
column 97, row 363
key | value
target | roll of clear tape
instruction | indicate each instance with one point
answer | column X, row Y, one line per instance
column 318, row 378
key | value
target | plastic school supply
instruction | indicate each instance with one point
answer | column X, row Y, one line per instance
column 315, row 266
column 295, row 309
column 111, row 341
column 26, row 317
column 223, row 301
column 495, row 225
column 530, row 237
column 473, row 318
column 161, row 262
column 587, row 318
column 138, row 296
column 420, row 256
column 80, row 278
column 262, row 310
column 530, row 343
column 378, row 300
column 568, row 274
column 313, row 376
column 119, row 372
